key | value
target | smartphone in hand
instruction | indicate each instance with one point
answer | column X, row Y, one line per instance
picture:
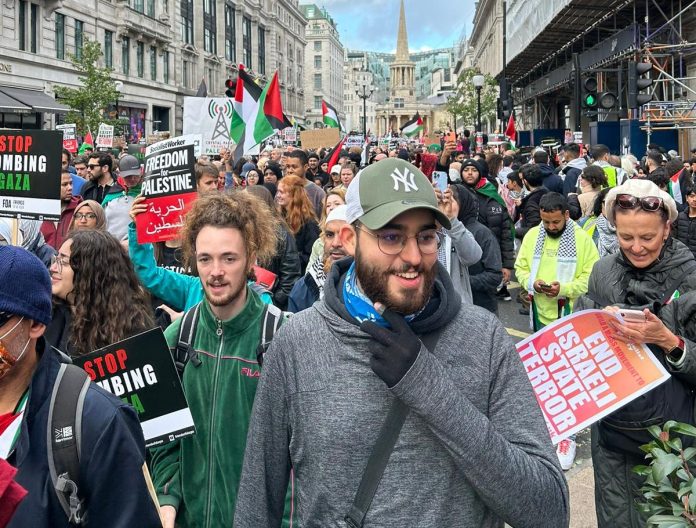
column 440, row 180
column 633, row 316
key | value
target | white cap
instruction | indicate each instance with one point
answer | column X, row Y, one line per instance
column 336, row 169
column 337, row 213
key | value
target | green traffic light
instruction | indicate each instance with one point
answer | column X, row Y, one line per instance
column 591, row 100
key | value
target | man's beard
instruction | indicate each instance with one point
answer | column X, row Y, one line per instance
column 229, row 298
column 375, row 284
column 556, row 234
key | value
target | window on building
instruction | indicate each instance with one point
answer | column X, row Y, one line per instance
column 209, row 34
column 79, row 37
column 317, row 102
column 317, row 45
column 125, row 55
column 60, row 36
column 186, row 73
column 317, row 61
column 398, row 102
column 165, row 68
column 246, row 41
column 317, row 81
column 187, row 21
column 108, row 49
column 230, row 33
column 139, row 5
column 28, row 26
column 140, row 58
column 262, row 51
column 23, row 25
column 300, row 77
column 153, row 63
column 150, row 8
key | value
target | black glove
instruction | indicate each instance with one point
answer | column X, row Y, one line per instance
column 395, row 350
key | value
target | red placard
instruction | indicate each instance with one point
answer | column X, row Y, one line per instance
column 164, row 217
column 580, row 373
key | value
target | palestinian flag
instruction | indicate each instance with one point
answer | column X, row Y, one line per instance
column 258, row 113
column 335, row 152
column 413, row 127
column 511, row 132
column 331, row 119
column 675, row 187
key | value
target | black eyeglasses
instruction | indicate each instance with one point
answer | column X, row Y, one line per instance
column 394, row 242
column 92, row 166
column 85, row 216
column 648, row 203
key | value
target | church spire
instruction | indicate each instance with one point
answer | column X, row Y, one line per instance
column 402, row 39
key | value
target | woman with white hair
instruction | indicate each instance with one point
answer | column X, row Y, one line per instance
column 650, row 269
column 629, row 163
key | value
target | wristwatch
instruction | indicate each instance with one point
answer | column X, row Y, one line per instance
column 676, row 353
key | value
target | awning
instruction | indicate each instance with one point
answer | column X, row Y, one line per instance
column 36, row 99
column 7, row 104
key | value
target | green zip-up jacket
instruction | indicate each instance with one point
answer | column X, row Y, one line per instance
column 199, row 475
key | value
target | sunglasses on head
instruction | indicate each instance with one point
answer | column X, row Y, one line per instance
column 648, row 203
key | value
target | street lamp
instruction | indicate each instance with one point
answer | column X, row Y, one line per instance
column 118, row 85
column 478, row 81
column 364, row 95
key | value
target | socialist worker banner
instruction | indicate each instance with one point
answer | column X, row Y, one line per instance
column 580, row 373
column 30, row 165
column 170, row 189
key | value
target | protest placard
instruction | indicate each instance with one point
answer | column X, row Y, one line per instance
column 170, row 188
column 580, row 373
column 30, row 165
column 289, row 135
column 105, row 136
column 319, row 138
column 190, row 139
column 210, row 117
column 69, row 136
column 140, row 370
column 354, row 141
column 432, row 139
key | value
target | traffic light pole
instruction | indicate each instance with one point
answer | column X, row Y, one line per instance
column 577, row 93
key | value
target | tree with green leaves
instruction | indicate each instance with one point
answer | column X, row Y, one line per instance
column 462, row 103
column 89, row 103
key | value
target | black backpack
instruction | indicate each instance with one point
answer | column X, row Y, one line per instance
column 185, row 351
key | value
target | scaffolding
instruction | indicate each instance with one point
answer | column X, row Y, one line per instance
column 667, row 48
column 662, row 32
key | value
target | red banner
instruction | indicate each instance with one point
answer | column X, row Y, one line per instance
column 580, row 373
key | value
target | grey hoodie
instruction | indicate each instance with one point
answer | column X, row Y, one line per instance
column 473, row 452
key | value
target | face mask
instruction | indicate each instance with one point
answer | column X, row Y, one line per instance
column 7, row 360
column 454, row 175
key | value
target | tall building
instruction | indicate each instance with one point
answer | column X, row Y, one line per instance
column 323, row 65
column 359, row 82
column 401, row 103
column 160, row 50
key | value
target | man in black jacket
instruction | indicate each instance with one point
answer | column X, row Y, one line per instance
column 111, row 480
column 492, row 213
column 550, row 179
column 528, row 210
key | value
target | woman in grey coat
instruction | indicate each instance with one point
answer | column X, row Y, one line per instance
column 459, row 249
column 649, row 270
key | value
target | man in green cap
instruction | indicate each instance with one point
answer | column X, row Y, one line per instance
column 391, row 347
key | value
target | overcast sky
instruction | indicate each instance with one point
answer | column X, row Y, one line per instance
column 372, row 24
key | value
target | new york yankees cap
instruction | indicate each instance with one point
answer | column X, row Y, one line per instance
column 384, row 190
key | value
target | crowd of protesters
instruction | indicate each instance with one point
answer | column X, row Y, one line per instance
column 391, row 287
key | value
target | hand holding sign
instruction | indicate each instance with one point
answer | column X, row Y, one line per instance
column 651, row 331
